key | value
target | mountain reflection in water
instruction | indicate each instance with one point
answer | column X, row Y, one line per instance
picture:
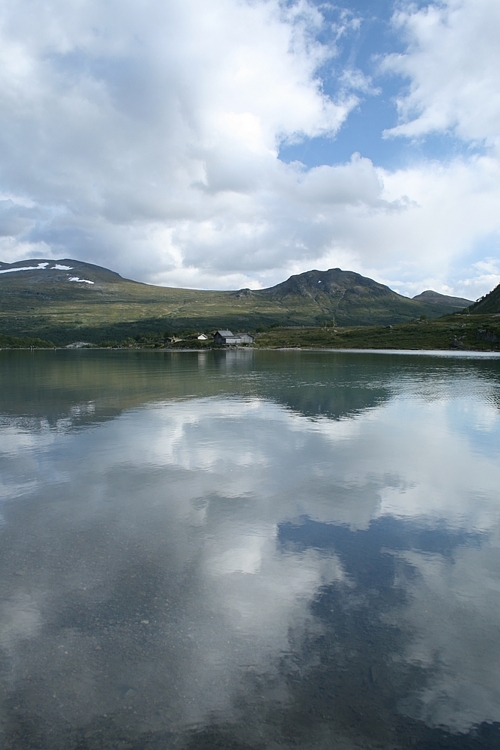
column 249, row 550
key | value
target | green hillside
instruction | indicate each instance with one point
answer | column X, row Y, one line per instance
column 489, row 304
column 440, row 301
column 459, row 332
column 68, row 300
column 346, row 298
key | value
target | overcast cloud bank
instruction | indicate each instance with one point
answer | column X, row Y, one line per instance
column 145, row 138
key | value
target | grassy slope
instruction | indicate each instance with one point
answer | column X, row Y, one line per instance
column 489, row 304
column 479, row 333
column 32, row 304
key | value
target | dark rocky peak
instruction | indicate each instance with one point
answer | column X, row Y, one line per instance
column 242, row 293
column 331, row 282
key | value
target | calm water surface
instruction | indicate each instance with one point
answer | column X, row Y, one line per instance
column 249, row 550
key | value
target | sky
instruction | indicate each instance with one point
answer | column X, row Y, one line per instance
column 233, row 143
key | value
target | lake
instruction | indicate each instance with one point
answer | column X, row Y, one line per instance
column 247, row 550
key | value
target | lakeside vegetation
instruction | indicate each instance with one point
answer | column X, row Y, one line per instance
column 24, row 342
column 454, row 332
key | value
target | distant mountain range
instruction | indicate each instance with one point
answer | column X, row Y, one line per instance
column 357, row 300
column 67, row 299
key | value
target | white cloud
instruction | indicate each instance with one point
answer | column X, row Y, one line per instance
column 160, row 120
column 451, row 64
column 451, row 61
column 145, row 138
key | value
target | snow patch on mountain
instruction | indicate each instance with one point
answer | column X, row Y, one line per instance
column 39, row 267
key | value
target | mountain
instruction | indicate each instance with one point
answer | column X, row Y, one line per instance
column 66, row 300
column 489, row 304
column 334, row 284
column 63, row 278
column 442, row 300
column 347, row 298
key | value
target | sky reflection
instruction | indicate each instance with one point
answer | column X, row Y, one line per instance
column 230, row 561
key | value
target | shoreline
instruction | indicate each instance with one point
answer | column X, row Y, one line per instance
column 347, row 350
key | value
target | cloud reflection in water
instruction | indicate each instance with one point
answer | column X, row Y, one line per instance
column 194, row 562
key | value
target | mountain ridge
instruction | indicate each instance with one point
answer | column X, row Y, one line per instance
column 295, row 283
column 66, row 299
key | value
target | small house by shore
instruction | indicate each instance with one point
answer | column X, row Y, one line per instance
column 229, row 338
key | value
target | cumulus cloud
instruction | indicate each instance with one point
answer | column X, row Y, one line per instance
column 146, row 138
column 451, row 62
column 127, row 127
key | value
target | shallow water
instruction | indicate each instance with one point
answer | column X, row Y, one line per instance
column 249, row 550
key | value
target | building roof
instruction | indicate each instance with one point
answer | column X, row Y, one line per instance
column 225, row 333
